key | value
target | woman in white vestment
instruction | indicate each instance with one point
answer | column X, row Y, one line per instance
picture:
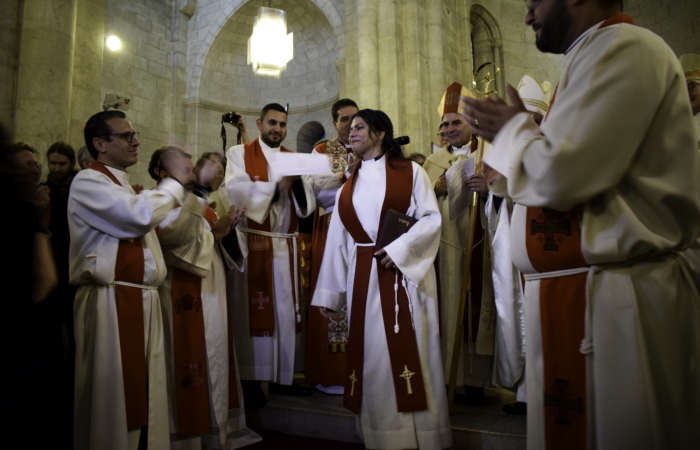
column 408, row 262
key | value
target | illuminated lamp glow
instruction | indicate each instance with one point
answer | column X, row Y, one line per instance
column 113, row 43
column 270, row 48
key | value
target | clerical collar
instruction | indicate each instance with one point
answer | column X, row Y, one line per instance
column 121, row 175
column 583, row 35
column 264, row 146
column 463, row 150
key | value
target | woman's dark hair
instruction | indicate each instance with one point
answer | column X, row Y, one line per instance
column 377, row 122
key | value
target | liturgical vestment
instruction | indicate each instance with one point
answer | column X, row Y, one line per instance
column 268, row 358
column 192, row 254
column 413, row 253
column 607, row 193
column 475, row 364
column 102, row 210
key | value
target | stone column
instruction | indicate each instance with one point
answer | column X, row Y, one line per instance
column 45, row 72
column 352, row 90
column 368, row 53
column 391, row 68
column 436, row 67
column 416, row 84
column 87, row 67
column 340, row 67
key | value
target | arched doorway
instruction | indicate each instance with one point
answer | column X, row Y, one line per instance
column 487, row 45
column 309, row 134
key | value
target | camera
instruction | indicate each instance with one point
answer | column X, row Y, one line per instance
column 231, row 117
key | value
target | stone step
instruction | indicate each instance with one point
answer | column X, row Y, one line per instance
column 323, row 416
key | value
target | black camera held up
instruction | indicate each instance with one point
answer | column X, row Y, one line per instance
column 233, row 119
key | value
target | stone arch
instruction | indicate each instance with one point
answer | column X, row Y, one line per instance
column 309, row 134
column 210, row 17
column 487, row 43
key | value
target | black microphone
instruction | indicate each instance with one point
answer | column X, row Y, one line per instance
column 402, row 140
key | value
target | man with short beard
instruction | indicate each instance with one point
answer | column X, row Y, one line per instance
column 607, row 193
column 327, row 338
column 267, row 328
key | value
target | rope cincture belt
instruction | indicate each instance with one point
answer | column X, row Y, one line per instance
column 586, row 347
column 293, row 237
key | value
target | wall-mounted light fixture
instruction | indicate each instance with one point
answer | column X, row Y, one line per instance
column 113, row 43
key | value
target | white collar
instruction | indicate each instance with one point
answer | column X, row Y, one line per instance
column 463, row 150
column 266, row 147
column 583, row 35
column 120, row 175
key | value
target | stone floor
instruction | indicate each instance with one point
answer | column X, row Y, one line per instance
column 323, row 416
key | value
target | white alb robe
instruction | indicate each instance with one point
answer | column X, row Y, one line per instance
column 188, row 244
column 100, row 213
column 413, row 253
column 510, row 322
column 479, row 366
column 274, row 358
column 618, row 146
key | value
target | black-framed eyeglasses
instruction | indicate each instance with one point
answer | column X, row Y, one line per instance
column 128, row 135
column 442, row 135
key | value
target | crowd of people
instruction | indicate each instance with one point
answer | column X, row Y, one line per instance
column 150, row 318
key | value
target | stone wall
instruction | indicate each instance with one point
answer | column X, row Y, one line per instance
column 142, row 71
column 10, row 25
column 677, row 21
column 310, row 83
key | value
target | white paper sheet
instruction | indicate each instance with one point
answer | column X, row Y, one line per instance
column 293, row 164
column 458, row 194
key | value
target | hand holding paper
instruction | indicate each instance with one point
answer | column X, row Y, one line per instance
column 458, row 193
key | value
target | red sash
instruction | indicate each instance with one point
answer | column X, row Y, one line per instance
column 261, row 313
column 553, row 242
column 403, row 348
column 129, row 268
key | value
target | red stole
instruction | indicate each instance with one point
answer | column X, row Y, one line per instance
column 261, row 315
column 403, row 348
column 553, row 242
column 129, row 268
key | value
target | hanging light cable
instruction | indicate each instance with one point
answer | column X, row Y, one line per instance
column 270, row 48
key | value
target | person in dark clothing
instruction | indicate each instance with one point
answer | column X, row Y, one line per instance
column 56, row 313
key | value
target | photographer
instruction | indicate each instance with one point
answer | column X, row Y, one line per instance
column 237, row 121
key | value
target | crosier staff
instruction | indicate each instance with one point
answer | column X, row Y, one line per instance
column 465, row 291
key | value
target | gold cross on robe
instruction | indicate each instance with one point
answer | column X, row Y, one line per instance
column 407, row 374
column 353, row 378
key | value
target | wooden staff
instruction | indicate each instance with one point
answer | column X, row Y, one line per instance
column 464, row 292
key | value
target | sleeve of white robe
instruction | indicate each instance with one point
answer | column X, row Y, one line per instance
column 244, row 191
column 116, row 211
column 601, row 114
column 414, row 252
column 332, row 284
column 186, row 240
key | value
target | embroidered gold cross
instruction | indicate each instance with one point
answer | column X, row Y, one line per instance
column 353, row 378
column 407, row 374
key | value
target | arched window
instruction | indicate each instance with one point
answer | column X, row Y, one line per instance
column 308, row 135
column 487, row 45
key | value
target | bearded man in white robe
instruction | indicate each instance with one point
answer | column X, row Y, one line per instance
column 268, row 320
column 476, row 358
column 607, row 193
column 115, row 258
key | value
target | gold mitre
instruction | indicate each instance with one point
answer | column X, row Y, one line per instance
column 449, row 103
column 535, row 95
column 691, row 66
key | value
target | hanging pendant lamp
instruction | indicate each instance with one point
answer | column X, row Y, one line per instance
column 270, row 48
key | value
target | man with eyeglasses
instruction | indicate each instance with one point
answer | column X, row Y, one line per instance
column 607, row 193
column 442, row 136
column 115, row 258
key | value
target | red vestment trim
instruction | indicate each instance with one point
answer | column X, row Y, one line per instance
column 403, row 348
